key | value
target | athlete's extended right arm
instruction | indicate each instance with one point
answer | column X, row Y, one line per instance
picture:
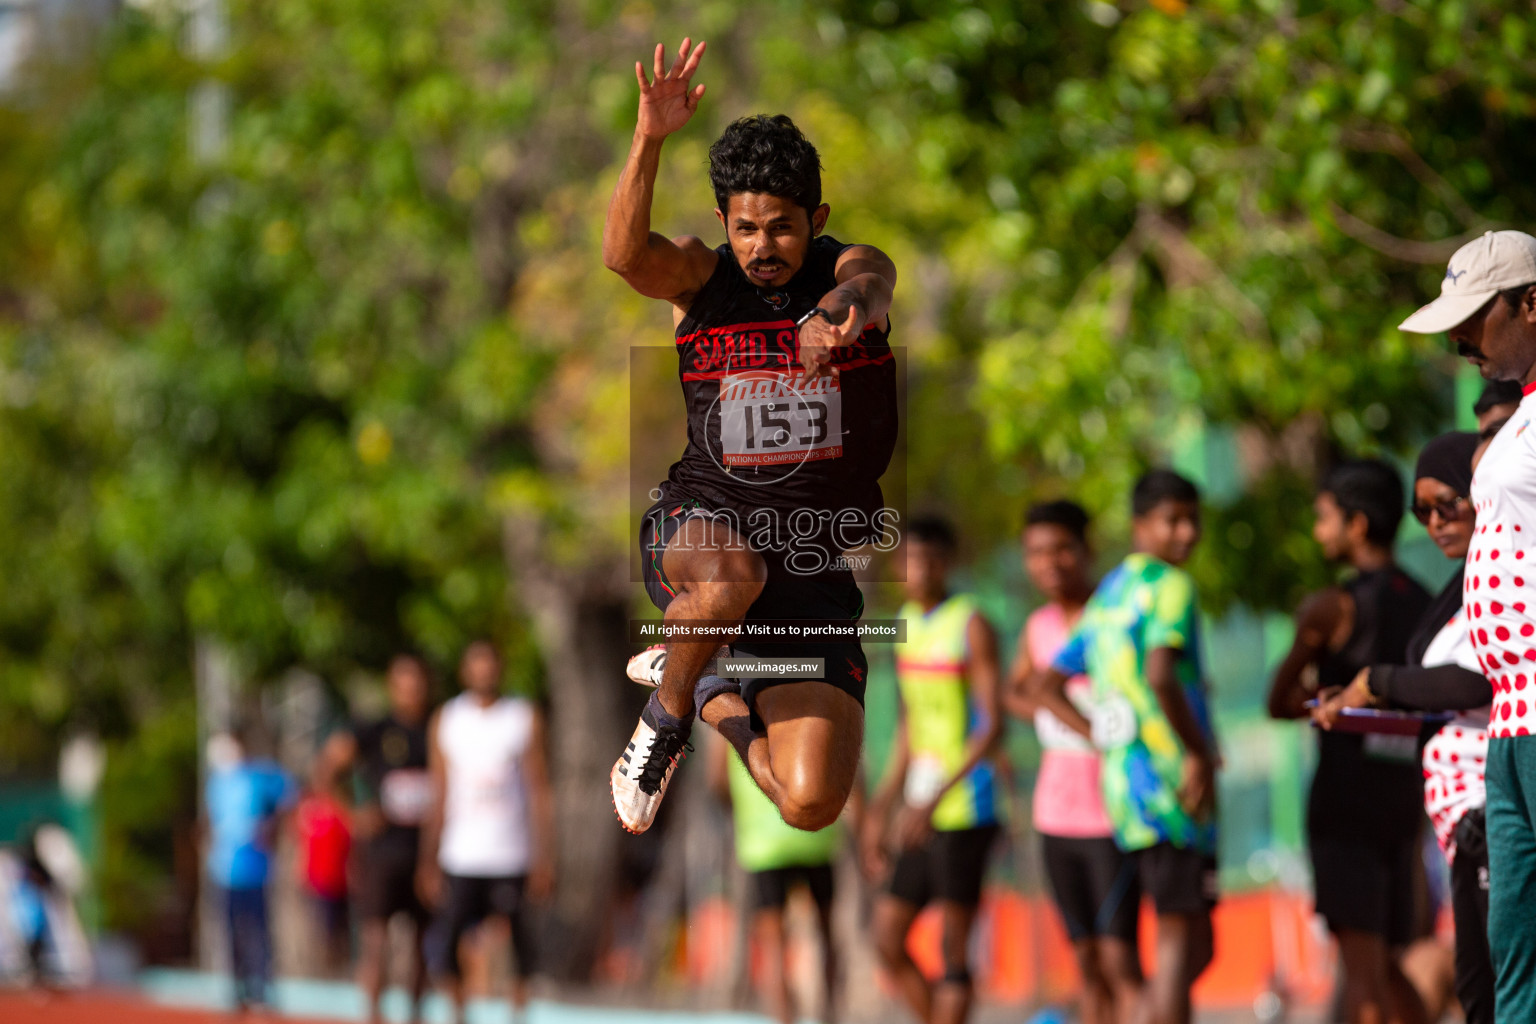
column 653, row 264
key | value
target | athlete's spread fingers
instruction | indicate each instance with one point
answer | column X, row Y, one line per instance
column 695, row 96
column 645, row 86
column 659, row 63
column 692, row 64
column 682, row 58
column 813, row 361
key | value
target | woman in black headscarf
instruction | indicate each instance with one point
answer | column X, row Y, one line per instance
column 1443, row 674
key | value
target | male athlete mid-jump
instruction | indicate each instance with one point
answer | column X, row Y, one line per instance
column 790, row 384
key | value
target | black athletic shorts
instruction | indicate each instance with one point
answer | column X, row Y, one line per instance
column 770, row 889
column 470, row 901
column 1096, row 886
column 1366, row 887
column 1179, row 881
column 384, row 882
column 949, row 867
column 831, row 596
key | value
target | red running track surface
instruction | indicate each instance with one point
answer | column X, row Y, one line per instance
column 109, row 1008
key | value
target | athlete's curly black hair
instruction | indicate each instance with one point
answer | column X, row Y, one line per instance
column 768, row 154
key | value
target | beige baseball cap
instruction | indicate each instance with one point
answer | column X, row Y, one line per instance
column 1480, row 270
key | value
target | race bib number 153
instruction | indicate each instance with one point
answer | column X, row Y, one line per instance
column 765, row 419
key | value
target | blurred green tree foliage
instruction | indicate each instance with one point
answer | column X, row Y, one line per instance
column 361, row 383
column 1198, row 215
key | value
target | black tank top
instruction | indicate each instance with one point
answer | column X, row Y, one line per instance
column 1370, row 788
column 767, row 452
column 392, row 773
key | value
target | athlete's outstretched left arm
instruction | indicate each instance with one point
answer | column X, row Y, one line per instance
column 866, row 283
column 984, row 673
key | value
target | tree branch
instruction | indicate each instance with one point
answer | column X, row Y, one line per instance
column 1383, row 140
column 1185, row 265
column 1405, row 249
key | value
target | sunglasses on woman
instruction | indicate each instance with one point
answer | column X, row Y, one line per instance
column 1450, row 511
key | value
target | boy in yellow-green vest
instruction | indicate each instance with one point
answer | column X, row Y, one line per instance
column 776, row 858
column 941, row 774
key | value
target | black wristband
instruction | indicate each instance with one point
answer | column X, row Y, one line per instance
column 818, row 311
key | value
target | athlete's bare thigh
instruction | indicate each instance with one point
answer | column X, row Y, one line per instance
column 815, row 732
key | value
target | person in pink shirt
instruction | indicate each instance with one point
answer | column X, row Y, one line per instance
column 1095, row 885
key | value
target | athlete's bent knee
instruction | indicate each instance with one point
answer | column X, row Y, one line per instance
column 810, row 804
column 811, row 814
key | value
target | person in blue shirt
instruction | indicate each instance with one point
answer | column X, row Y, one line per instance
column 245, row 799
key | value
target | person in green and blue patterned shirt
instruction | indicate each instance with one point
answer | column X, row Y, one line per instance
column 1138, row 642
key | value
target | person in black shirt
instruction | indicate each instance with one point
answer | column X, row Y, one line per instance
column 1443, row 674
column 784, row 359
column 1365, row 809
column 388, row 762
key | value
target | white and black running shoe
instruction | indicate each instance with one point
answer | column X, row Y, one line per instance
column 646, row 667
column 641, row 774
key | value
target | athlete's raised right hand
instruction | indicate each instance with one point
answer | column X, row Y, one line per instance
column 667, row 103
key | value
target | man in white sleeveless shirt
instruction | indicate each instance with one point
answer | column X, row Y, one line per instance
column 488, row 847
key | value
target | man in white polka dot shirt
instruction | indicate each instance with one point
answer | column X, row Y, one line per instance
column 1487, row 305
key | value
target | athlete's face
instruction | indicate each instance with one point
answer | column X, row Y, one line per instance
column 927, row 570
column 407, row 689
column 770, row 235
column 1331, row 528
column 1451, row 536
column 1056, row 561
column 1500, row 339
column 480, row 670
column 1169, row 531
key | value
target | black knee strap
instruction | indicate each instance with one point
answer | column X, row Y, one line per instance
column 709, row 687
